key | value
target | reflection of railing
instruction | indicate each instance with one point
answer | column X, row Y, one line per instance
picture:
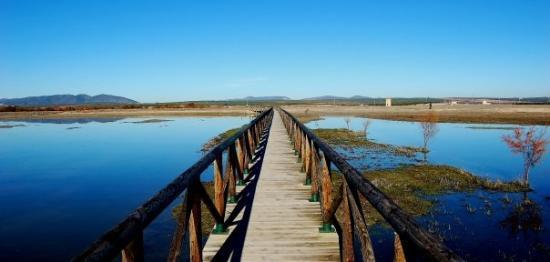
column 126, row 238
column 411, row 242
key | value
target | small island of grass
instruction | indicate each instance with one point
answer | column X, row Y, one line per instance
column 410, row 186
column 219, row 138
column 352, row 139
column 11, row 126
column 150, row 121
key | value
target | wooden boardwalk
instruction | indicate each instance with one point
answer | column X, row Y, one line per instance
column 281, row 225
column 272, row 218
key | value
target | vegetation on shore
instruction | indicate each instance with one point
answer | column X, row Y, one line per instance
column 150, row 121
column 11, row 126
column 306, row 118
column 410, row 186
column 219, row 138
column 492, row 127
column 345, row 138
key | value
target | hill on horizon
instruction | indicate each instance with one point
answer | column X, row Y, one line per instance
column 56, row 100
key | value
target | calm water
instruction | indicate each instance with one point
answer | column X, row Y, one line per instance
column 63, row 183
column 60, row 188
column 478, row 225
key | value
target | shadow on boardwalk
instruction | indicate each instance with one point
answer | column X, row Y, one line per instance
column 233, row 247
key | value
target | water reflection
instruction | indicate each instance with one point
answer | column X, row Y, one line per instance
column 70, row 120
column 75, row 184
column 525, row 217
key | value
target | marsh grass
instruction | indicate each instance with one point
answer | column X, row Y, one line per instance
column 410, row 187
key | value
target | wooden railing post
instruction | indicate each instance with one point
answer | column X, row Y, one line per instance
column 360, row 225
column 195, row 230
column 241, row 155
column 181, row 227
column 133, row 252
column 399, row 254
column 219, row 198
column 314, row 172
column 248, row 153
column 347, row 227
column 326, row 195
column 233, row 161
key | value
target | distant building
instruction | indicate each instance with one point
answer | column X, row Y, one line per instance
column 485, row 102
column 454, row 103
column 388, row 102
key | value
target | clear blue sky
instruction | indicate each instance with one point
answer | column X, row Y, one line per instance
column 187, row 50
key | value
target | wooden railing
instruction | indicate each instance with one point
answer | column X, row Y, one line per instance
column 411, row 241
column 126, row 238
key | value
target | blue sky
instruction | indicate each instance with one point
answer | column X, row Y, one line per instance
column 156, row 51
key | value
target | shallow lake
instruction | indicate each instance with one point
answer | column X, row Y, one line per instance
column 64, row 182
column 478, row 225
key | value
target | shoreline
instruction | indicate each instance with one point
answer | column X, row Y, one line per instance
column 490, row 114
column 478, row 114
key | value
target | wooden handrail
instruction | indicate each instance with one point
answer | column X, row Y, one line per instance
column 126, row 238
column 316, row 157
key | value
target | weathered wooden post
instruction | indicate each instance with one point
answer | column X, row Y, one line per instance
column 219, row 199
column 234, row 167
column 399, row 254
column 133, row 252
column 181, row 228
column 241, row 155
column 314, row 172
column 347, row 227
column 326, row 191
column 195, row 230
column 360, row 225
column 248, row 155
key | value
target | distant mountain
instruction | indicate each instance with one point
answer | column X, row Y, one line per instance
column 263, row 98
column 66, row 100
column 326, row 98
column 359, row 97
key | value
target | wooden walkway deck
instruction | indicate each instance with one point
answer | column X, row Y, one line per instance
column 281, row 224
